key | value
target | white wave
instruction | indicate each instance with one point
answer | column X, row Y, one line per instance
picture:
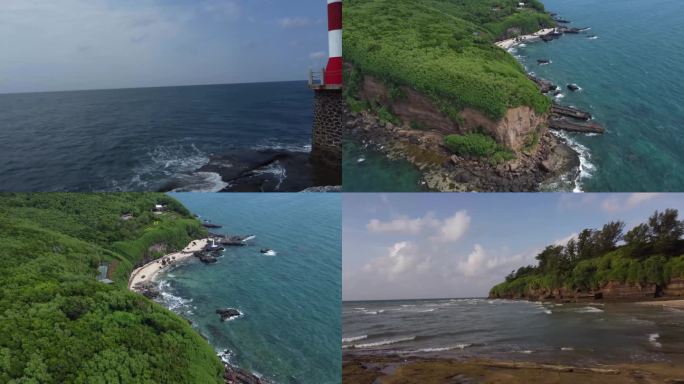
column 443, row 349
column 548, row 311
column 201, row 182
column 586, row 166
column 559, row 96
column 361, row 160
column 283, row 147
column 526, row 351
column 274, row 169
column 354, row 338
column 408, row 305
column 653, row 339
column 174, row 303
column 589, row 310
column 567, row 349
column 270, row 253
column 593, row 37
column 384, row 342
column 374, row 312
column 248, row 238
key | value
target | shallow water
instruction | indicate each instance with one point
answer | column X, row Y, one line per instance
column 290, row 298
column 570, row 333
column 633, row 84
column 144, row 139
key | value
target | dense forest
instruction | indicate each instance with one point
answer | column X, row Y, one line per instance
column 650, row 253
column 59, row 324
column 444, row 49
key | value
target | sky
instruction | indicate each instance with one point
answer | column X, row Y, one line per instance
column 444, row 245
column 55, row 45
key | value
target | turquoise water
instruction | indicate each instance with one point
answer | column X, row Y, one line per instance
column 632, row 82
column 291, row 328
column 364, row 170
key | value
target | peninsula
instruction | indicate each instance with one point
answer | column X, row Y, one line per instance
column 431, row 82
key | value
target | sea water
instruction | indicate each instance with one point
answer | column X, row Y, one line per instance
column 632, row 82
column 290, row 298
column 144, row 139
column 587, row 333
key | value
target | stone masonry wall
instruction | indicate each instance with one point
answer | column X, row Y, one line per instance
column 327, row 130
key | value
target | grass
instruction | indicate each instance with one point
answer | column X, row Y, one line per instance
column 443, row 48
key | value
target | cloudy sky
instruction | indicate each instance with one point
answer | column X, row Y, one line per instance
column 409, row 246
column 49, row 45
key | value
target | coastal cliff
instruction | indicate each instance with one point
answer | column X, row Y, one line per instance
column 433, row 89
column 644, row 263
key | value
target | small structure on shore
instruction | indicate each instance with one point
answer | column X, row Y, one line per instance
column 159, row 209
column 103, row 270
column 126, row 216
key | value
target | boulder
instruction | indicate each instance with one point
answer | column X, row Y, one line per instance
column 228, row 313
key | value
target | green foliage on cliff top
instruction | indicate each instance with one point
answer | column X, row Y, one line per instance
column 444, row 48
column 650, row 253
column 478, row 145
column 58, row 324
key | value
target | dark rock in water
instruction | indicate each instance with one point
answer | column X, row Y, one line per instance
column 206, row 258
column 543, row 61
column 147, row 289
column 207, row 224
column 235, row 375
column 562, row 21
column 228, row 313
column 547, row 38
column 271, row 171
column 571, row 126
column 265, row 250
column 573, row 87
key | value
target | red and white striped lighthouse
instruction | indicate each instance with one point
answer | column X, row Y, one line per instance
column 333, row 71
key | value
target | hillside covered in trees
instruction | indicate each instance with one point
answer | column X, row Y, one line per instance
column 646, row 261
column 59, row 324
column 444, row 49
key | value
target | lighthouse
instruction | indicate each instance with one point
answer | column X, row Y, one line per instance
column 326, row 146
column 333, row 71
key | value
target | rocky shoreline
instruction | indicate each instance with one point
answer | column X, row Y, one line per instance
column 267, row 170
column 550, row 160
column 396, row 369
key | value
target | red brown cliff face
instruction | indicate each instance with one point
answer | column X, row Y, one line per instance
column 613, row 290
column 512, row 131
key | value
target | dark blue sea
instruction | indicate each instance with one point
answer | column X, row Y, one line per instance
column 145, row 139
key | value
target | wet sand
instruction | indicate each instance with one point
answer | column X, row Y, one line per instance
column 509, row 43
column 665, row 303
column 394, row 370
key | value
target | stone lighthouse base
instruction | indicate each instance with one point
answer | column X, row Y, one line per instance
column 326, row 146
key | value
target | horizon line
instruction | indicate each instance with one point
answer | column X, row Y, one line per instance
column 149, row 87
column 428, row 298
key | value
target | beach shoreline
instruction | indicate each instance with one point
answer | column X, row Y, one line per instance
column 148, row 272
column 670, row 303
column 393, row 369
column 510, row 43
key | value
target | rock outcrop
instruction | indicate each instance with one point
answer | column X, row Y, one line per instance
column 512, row 131
column 611, row 291
column 228, row 313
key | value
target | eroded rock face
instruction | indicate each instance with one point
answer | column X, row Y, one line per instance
column 675, row 288
column 513, row 131
column 620, row 291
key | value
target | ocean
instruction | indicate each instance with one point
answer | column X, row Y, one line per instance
column 145, row 139
column 632, row 82
column 290, row 329
column 580, row 334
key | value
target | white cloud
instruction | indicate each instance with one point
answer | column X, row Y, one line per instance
column 617, row 203
column 294, row 22
column 403, row 225
column 228, row 8
column 565, row 240
column 401, row 259
column 318, row 55
column 453, row 228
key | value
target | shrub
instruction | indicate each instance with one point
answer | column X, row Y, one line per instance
column 478, row 145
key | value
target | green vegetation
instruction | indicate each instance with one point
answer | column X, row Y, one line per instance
column 58, row 324
column 478, row 145
column 444, row 49
column 651, row 253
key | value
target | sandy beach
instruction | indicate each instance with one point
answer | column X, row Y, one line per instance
column 509, row 43
column 665, row 303
column 148, row 271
